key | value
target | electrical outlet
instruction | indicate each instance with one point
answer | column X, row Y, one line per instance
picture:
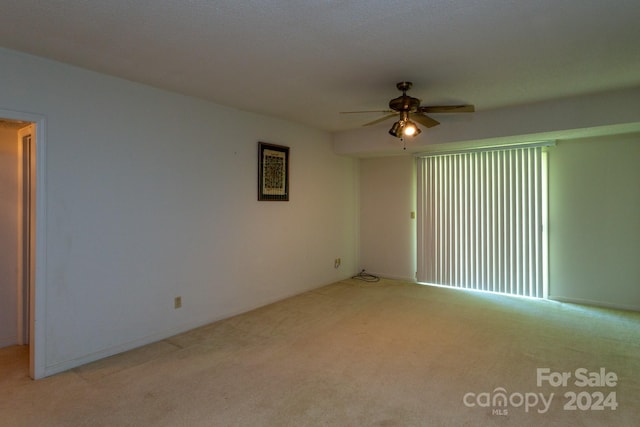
column 177, row 302
column 337, row 263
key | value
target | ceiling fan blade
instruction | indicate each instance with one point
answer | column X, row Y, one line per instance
column 382, row 119
column 425, row 120
column 446, row 109
column 366, row 111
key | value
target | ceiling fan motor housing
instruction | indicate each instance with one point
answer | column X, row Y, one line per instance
column 404, row 103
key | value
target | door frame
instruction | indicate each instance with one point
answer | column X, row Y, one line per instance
column 26, row 244
column 37, row 318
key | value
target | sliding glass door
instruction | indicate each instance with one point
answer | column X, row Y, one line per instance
column 482, row 220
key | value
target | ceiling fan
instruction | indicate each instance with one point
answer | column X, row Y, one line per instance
column 409, row 110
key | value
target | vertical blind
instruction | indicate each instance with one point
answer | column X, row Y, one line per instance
column 481, row 220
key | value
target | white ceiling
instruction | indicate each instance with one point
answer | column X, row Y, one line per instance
column 308, row 60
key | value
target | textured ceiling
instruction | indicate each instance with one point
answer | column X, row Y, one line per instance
column 308, row 60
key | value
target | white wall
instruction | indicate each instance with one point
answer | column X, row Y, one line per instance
column 387, row 231
column 151, row 195
column 8, row 236
column 594, row 221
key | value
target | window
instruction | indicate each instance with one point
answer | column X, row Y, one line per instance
column 482, row 220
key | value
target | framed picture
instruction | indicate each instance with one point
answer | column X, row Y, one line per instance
column 273, row 172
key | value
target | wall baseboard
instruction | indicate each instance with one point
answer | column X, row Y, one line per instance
column 392, row 277
column 7, row 341
column 592, row 303
column 66, row 365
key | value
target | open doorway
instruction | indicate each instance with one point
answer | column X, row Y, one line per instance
column 21, row 200
column 17, row 177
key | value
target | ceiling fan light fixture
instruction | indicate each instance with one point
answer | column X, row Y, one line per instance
column 404, row 128
column 410, row 129
column 396, row 130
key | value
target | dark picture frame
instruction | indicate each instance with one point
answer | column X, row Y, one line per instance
column 273, row 172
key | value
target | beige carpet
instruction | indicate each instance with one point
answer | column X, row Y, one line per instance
column 353, row 354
